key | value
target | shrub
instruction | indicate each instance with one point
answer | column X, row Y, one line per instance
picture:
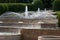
column 38, row 4
column 35, row 5
column 58, row 15
column 32, row 7
column 56, row 5
column 11, row 7
column 20, row 7
column 47, row 3
column 16, row 8
column 3, row 8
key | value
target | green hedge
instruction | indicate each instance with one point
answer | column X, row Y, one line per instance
column 58, row 14
column 3, row 8
column 20, row 7
column 56, row 5
column 12, row 8
column 16, row 8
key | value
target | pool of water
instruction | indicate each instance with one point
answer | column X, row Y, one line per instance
column 10, row 36
column 8, row 33
column 49, row 37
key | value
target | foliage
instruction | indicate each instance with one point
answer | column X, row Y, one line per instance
column 11, row 7
column 47, row 3
column 56, row 5
column 35, row 5
column 20, row 7
column 38, row 4
column 58, row 14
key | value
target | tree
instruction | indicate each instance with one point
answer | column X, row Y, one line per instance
column 47, row 3
column 38, row 4
column 56, row 5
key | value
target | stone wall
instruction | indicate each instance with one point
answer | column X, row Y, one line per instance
column 15, row 30
column 10, row 30
column 32, row 34
column 12, row 37
column 49, row 25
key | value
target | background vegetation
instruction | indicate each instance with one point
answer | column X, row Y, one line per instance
column 56, row 5
column 58, row 15
column 20, row 7
column 47, row 4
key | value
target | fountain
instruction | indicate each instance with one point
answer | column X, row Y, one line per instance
column 26, row 12
column 45, row 9
column 38, row 11
column 10, row 15
column 47, row 15
column 31, row 15
column 36, row 20
column 39, row 14
column 48, row 37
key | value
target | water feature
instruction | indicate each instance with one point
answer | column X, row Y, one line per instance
column 45, row 9
column 10, row 15
column 8, row 33
column 49, row 37
column 30, row 14
column 9, row 36
column 26, row 12
column 45, row 14
column 38, row 11
column 39, row 14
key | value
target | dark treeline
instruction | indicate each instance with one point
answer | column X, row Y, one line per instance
column 47, row 3
column 16, row 1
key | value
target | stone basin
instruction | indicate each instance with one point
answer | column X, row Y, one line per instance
column 49, row 37
column 7, row 33
column 10, row 36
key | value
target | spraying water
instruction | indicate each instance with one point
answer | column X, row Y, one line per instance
column 45, row 9
column 38, row 10
column 29, row 14
column 26, row 12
